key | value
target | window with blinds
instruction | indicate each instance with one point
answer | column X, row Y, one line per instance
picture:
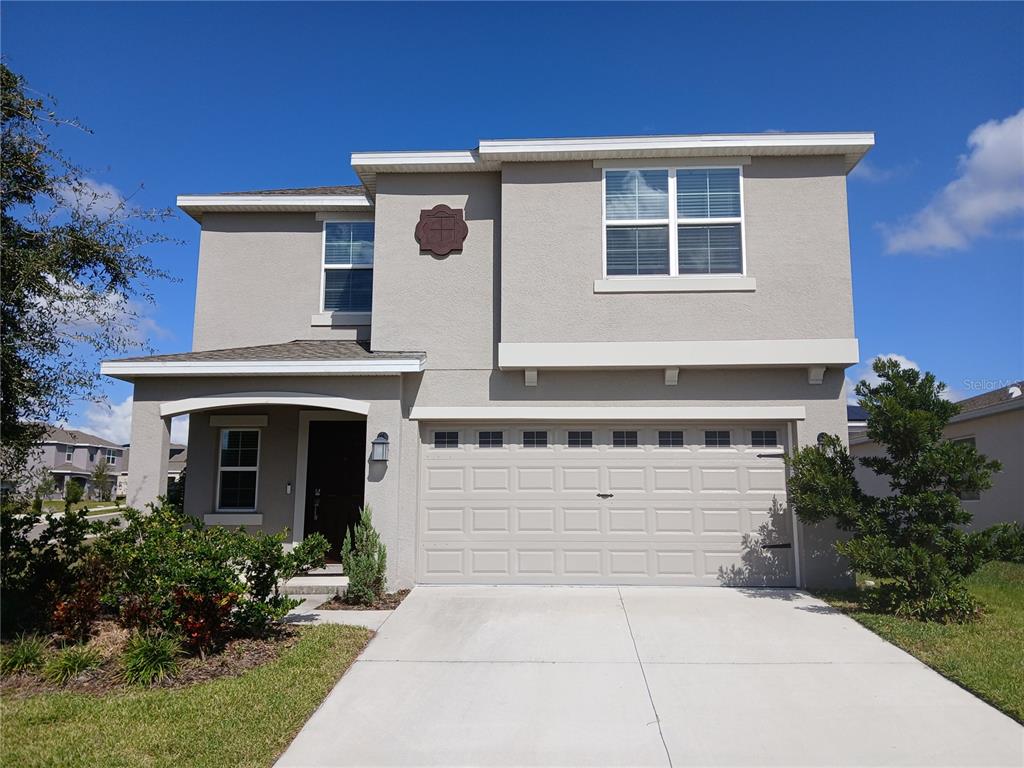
column 348, row 266
column 700, row 233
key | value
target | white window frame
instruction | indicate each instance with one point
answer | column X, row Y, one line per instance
column 111, row 455
column 673, row 223
column 256, row 469
column 324, row 266
column 69, row 454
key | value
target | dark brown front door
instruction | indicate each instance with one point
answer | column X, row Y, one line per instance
column 336, row 465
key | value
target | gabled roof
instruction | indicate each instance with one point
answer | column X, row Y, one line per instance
column 300, row 357
column 62, row 436
column 1012, row 392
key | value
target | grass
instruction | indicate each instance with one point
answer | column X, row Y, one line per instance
column 57, row 505
column 241, row 721
column 985, row 657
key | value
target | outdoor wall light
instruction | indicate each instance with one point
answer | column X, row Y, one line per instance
column 379, row 447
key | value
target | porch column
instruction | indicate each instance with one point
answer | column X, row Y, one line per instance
column 147, row 457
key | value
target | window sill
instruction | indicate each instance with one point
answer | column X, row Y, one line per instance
column 675, row 285
column 340, row 318
column 233, row 518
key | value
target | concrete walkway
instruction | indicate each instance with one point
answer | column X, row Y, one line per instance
column 631, row 676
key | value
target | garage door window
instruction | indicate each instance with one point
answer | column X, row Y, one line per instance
column 535, row 439
column 581, row 439
column 491, row 440
column 446, row 439
column 764, row 438
column 624, row 439
column 716, row 438
column 670, row 439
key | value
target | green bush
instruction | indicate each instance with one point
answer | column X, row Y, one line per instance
column 40, row 571
column 25, row 652
column 365, row 563
column 70, row 663
column 73, row 491
column 172, row 573
column 150, row 658
column 1006, row 542
column 913, row 539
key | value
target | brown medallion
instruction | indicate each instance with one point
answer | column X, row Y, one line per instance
column 441, row 230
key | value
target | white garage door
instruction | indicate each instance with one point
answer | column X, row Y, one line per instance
column 604, row 504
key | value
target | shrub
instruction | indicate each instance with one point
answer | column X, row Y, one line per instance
column 150, row 658
column 74, row 615
column 204, row 584
column 73, row 491
column 364, row 561
column 70, row 663
column 1006, row 542
column 26, row 652
column 913, row 540
column 39, row 570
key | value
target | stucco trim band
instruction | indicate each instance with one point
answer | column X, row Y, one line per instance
column 748, row 353
column 610, row 413
column 304, row 399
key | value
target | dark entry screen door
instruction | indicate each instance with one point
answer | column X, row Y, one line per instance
column 336, row 466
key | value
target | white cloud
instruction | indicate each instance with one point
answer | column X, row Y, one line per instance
column 113, row 421
column 95, row 197
column 988, row 189
column 864, row 372
column 873, row 174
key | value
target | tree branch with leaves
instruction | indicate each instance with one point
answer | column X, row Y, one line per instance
column 75, row 272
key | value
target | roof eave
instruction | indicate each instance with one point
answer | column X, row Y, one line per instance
column 129, row 371
column 196, row 205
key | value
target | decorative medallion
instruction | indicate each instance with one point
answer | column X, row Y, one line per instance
column 441, row 230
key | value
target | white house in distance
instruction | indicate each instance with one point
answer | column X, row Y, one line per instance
column 994, row 423
column 540, row 361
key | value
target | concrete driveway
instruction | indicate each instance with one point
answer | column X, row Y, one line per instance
column 642, row 676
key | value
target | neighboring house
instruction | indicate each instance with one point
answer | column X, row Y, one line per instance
column 994, row 424
column 176, row 461
column 539, row 361
column 72, row 456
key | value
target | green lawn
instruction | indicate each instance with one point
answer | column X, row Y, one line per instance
column 986, row 657
column 241, row 721
column 57, row 505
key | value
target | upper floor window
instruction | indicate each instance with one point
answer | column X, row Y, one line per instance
column 111, row 455
column 678, row 221
column 69, row 453
column 348, row 266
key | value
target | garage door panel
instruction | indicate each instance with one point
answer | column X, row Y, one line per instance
column 684, row 515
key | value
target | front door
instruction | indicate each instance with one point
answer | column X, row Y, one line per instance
column 336, row 465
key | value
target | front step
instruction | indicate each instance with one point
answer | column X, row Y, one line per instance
column 332, row 584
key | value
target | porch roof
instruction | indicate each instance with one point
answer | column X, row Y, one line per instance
column 300, row 357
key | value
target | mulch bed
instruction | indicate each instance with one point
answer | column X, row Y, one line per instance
column 387, row 603
column 235, row 658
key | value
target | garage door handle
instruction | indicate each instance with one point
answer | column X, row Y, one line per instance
column 605, row 495
column 770, row 455
column 787, row 545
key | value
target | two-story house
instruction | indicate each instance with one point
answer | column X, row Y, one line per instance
column 573, row 361
column 71, row 456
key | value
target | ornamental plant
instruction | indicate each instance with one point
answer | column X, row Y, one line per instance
column 912, row 541
column 364, row 560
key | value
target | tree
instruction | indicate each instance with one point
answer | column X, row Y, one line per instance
column 100, row 479
column 912, row 541
column 72, row 277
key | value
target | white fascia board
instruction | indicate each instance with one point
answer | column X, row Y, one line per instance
column 259, row 368
column 610, row 413
column 196, row 205
column 388, row 159
column 747, row 353
column 501, row 148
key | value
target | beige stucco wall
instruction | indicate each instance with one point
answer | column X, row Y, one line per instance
column 444, row 306
column 797, row 246
column 259, row 280
column 998, row 436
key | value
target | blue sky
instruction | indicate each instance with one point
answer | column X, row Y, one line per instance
column 216, row 97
